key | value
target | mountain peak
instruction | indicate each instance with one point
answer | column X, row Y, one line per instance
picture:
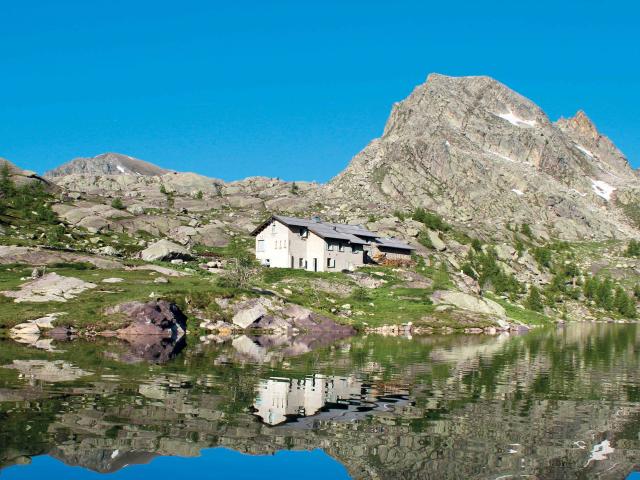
column 581, row 125
column 108, row 163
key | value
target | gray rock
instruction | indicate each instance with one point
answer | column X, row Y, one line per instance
column 165, row 250
column 248, row 312
column 466, row 301
column 436, row 241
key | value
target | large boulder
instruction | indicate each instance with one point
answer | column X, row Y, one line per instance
column 158, row 317
column 436, row 241
column 248, row 312
column 165, row 250
column 469, row 302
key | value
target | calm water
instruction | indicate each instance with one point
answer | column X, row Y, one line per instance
column 551, row 404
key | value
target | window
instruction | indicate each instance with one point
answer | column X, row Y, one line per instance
column 300, row 262
column 341, row 247
column 330, row 246
column 331, row 263
column 304, row 233
column 273, row 227
column 260, row 246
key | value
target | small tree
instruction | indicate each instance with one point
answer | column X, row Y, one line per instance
column 534, row 300
column 240, row 270
column 294, row 189
column 117, row 203
column 526, row 230
column 7, row 187
column 163, row 189
column 199, row 195
column 633, row 249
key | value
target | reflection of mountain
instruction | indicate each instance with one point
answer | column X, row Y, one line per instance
column 541, row 405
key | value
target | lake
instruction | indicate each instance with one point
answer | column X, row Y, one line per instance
column 557, row 403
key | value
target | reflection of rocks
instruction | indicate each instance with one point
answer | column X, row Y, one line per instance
column 29, row 333
column 477, row 407
column 149, row 348
column 48, row 371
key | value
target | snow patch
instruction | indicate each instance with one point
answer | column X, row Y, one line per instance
column 513, row 119
column 517, row 192
column 602, row 189
column 600, row 451
column 585, row 151
column 115, row 453
column 503, row 157
column 119, row 167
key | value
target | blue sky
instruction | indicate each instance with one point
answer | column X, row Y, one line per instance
column 289, row 89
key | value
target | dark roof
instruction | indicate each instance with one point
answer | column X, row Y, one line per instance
column 339, row 231
column 393, row 243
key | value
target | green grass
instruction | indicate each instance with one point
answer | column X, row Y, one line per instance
column 87, row 309
column 514, row 312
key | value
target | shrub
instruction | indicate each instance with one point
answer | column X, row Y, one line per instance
column 240, row 270
column 424, row 240
column 117, row 203
column 430, row 220
column 399, row 215
column 294, row 189
column 543, row 256
column 199, row 195
column 525, row 229
column 633, row 249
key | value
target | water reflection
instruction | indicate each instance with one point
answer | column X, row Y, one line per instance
column 549, row 404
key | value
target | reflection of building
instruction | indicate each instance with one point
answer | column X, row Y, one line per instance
column 278, row 398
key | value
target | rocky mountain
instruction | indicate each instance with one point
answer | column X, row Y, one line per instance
column 107, row 164
column 20, row 176
column 484, row 156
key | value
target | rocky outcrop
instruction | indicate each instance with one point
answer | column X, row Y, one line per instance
column 40, row 256
column 106, row 164
column 51, row 287
column 158, row 318
column 469, row 302
column 165, row 250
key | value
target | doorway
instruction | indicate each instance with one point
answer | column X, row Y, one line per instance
column 315, row 264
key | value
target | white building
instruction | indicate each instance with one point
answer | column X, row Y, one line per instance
column 288, row 242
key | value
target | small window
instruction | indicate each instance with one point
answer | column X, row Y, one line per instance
column 304, row 233
column 300, row 262
column 331, row 263
column 330, row 246
column 260, row 246
column 273, row 227
column 341, row 247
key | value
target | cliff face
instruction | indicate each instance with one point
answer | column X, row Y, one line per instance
column 476, row 151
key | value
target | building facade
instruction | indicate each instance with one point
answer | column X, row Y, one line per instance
column 313, row 245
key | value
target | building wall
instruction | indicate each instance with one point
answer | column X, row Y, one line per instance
column 346, row 260
column 276, row 245
column 316, row 248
